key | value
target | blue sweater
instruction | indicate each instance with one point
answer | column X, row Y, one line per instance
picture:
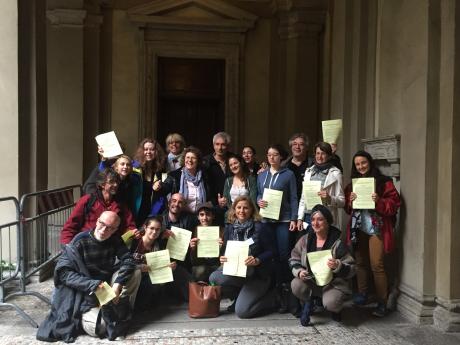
column 283, row 180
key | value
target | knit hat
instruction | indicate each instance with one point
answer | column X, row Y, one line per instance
column 324, row 211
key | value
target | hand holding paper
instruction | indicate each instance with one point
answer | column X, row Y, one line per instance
column 159, row 267
column 178, row 244
column 273, row 198
column 363, row 188
column 319, row 266
column 105, row 294
column 236, row 253
column 109, row 144
column 208, row 244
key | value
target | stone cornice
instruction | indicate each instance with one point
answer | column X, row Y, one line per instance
column 299, row 23
column 93, row 20
column 66, row 17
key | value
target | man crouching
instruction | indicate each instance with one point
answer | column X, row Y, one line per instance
column 85, row 264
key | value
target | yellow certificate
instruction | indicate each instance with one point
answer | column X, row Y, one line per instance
column 178, row 245
column 273, row 198
column 332, row 130
column 310, row 194
column 236, row 252
column 363, row 188
column 159, row 270
column 127, row 237
column 208, row 245
column 109, row 143
column 106, row 294
column 318, row 266
column 164, row 176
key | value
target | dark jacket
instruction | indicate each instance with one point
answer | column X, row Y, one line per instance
column 172, row 184
column 263, row 247
column 216, row 176
column 71, row 299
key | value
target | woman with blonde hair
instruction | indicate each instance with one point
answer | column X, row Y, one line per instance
column 175, row 144
column 254, row 294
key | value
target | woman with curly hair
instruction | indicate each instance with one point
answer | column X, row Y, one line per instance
column 149, row 163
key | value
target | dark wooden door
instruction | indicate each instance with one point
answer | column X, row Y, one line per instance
column 191, row 99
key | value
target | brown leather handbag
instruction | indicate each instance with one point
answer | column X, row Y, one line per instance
column 203, row 300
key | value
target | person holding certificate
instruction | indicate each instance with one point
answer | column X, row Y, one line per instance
column 327, row 277
column 210, row 233
column 152, row 241
column 279, row 184
column 252, row 295
column 370, row 231
column 329, row 180
column 149, row 163
column 240, row 183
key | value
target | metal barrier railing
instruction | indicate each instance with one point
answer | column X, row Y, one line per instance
column 10, row 258
column 40, row 218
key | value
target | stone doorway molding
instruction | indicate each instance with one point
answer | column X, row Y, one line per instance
column 203, row 29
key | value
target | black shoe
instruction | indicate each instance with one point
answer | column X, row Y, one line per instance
column 283, row 298
column 231, row 307
column 316, row 304
column 336, row 316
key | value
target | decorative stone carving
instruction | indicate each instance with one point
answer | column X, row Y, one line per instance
column 202, row 15
column 386, row 153
column 66, row 17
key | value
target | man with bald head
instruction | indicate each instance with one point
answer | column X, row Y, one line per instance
column 92, row 258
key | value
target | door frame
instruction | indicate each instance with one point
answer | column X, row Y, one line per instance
column 190, row 45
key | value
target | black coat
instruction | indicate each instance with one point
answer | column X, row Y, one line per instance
column 71, row 299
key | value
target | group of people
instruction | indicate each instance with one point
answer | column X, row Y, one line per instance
column 148, row 195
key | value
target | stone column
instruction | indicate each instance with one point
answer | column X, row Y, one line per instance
column 33, row 153
column 91, row 86
column 446, row 315
column 301, row 32
column 9, row 99
column 65, row 95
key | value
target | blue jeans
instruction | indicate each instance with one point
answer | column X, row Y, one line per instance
column 281, row 230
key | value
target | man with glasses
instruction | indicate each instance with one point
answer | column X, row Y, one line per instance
column 90, row 207
column 93, row 260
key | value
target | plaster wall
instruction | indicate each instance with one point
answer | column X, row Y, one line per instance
column 256, row 87
column 9, row 98
column 9, row 179
column 403, row 110
column 65, row 105
column 125, row 81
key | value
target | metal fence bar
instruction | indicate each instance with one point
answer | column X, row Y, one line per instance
column 12, row 266
column 40, row 217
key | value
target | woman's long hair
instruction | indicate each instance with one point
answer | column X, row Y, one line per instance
column 254, row 213
column 374, row 171
column 158, row 163
column 243, row 165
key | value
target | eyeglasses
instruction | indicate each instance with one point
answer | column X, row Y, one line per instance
column 109, row 227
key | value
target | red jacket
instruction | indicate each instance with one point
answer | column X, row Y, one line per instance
column 77, row 221
column 387, row 206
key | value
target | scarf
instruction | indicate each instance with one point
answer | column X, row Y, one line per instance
column 197, row 181
column 321, row 168
column 242, row 231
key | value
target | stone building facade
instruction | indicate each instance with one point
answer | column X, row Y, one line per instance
column 72, row 69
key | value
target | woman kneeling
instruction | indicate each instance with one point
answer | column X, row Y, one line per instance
column 321, row 236
column 254, row 294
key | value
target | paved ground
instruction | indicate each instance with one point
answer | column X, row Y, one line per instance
column 173, row 326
